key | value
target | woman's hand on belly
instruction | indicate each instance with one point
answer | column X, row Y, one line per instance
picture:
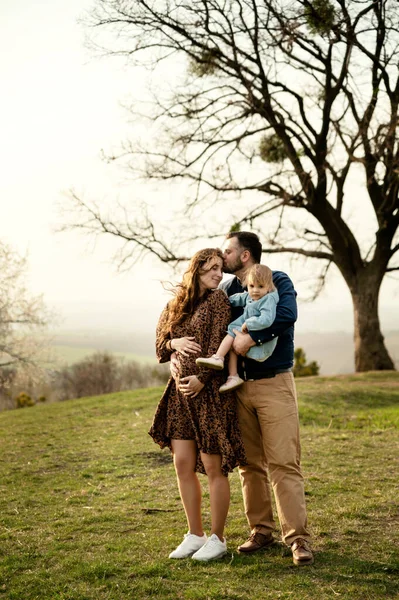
column 190, row 386
column 186, row 346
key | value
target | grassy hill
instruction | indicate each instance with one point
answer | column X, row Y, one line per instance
column 90, row 510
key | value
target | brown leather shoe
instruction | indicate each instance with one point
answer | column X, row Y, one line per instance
column 301, row 552
column 257, row 541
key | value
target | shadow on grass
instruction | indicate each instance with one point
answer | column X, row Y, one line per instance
column 333, row 572
column 156, row 458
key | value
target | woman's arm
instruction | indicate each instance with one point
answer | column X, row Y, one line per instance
column 162, row 347
column 165, row 345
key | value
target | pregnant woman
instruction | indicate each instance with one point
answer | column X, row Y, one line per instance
column 193, row 419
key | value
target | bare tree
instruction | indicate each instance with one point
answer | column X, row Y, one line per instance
column 22, row 317
column 284, row 101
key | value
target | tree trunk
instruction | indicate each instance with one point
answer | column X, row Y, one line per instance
column 370, row 351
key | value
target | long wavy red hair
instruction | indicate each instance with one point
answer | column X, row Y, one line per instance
column 187, row 294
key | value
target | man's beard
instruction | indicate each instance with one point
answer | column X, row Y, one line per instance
column 233, row 268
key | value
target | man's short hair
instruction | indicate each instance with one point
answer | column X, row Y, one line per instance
column 249, row 241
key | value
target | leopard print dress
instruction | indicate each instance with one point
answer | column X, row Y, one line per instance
column 210, row 418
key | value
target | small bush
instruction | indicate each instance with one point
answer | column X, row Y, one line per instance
column 301, row 368
column 103, row 373
column 23, row 400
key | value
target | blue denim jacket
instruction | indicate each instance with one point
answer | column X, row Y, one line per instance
column 257, row 315
column 281, row 328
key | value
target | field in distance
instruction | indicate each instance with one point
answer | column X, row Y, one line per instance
column 72, row 346
column 67, row 355
column 334, row 352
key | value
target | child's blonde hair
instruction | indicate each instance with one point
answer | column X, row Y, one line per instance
column 261, row 274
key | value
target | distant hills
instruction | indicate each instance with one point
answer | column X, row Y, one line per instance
column 333, row 351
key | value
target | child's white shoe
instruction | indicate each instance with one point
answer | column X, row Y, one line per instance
column 233, row 382
column 212, row 549
column 214, row 362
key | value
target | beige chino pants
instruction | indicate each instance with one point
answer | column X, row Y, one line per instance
column 268, row 415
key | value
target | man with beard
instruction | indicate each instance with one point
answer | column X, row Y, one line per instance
column 268, row 413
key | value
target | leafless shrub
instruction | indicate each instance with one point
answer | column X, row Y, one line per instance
column 103, row 373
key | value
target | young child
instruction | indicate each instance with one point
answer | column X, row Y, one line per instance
column 259, row 312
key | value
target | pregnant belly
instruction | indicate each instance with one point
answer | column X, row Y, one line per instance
column 187, row 365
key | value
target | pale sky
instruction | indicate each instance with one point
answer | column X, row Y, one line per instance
column 58, row 108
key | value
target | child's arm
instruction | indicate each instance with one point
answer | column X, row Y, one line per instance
column 267, row 314
column 239, row 299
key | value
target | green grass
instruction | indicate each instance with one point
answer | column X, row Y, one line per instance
column 90, row 510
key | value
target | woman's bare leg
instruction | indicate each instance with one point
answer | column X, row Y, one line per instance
column 219, row 492
column 185, row 458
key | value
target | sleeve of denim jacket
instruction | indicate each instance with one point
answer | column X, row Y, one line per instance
column 286, row 311
column 239, row 299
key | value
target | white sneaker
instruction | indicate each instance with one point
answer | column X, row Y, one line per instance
column 233, row 382
column 212, row 549
column 190, row 544
column 214, row 362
